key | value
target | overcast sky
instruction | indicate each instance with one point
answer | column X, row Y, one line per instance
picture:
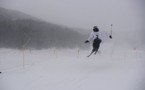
column 81, row 13
column 125, row 15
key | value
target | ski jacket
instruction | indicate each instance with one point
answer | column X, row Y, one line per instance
column 93, row 35
column 103, row 35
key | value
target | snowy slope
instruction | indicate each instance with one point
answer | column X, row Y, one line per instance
column 54, row 69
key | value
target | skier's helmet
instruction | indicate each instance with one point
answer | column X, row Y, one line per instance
column 95, row 29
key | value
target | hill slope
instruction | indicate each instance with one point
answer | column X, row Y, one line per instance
column 18, row 30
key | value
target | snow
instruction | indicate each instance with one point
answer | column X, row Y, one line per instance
column 58, row 69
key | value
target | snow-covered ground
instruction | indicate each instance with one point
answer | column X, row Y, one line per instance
column 53, row 69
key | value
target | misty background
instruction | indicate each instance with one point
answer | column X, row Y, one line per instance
column 67, row 23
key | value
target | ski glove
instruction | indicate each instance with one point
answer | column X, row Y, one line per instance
column 86, row 41
column 110, row 37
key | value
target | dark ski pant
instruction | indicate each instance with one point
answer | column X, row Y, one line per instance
column 95, row 47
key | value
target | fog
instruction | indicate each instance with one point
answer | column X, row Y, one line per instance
column 80, row 13
column 125, row 15
column 142, row 11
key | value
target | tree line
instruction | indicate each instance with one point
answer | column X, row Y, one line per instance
column 34, row 34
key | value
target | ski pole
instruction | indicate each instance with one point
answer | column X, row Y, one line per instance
column 111, row 31
column 111, row 38
column 111, row 28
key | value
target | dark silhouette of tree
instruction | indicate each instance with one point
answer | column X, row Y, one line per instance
column 19, row 32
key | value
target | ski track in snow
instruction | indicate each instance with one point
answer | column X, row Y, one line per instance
column 54, row 69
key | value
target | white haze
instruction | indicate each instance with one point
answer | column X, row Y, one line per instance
column 114, row 68
column 125, row 15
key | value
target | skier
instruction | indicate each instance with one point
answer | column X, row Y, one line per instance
column 96, row 40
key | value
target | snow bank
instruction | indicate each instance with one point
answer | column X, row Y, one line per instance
column 55, row 69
